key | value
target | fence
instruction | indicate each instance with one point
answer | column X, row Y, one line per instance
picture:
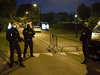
column 60, row 43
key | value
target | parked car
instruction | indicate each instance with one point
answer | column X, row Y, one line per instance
column 37, row 29
column 94, row 46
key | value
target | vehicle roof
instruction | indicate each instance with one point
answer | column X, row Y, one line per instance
column 36, row 26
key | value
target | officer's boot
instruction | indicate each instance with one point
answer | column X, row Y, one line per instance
column 11, row 64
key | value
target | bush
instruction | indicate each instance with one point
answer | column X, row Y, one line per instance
column 68, row 26
column 93, row 21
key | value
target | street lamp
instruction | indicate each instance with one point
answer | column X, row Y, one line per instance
column 76, row 18
column 38, row 7
column 34, row 5
column 26, row 12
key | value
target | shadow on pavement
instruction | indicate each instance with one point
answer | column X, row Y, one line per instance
column 3, row 55
column 93, row 68
column 6, row 70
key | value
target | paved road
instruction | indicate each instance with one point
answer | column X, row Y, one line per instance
column 50, row 63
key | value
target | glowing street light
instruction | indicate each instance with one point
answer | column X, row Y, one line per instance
column 26, row 12
column 35, row 5
column 76, row 16
column 38, row 8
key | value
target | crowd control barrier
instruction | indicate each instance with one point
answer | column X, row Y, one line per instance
column 64, row 42
column 59, row 43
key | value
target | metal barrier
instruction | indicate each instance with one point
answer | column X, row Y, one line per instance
column 53, row 42
column 60, row 42
column 64, row 42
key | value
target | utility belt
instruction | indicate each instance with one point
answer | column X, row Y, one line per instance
column 28, row 39
column 86, row 40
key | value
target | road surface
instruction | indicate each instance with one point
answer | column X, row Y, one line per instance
column 67, row 62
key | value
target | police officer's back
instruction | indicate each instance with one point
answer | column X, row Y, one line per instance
column 85, row 37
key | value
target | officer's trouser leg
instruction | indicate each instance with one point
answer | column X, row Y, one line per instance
column 12, row 53
column 25, row 47
column 31, row 47
column 19, row 53
column 86, row 51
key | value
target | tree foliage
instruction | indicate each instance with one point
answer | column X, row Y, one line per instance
column 7, row 12
column 93, row 21
column 64, row 17
column 23, row 8
column 84, row 12
column 95, row 9
column 71, row 16
column 8, row 7
column 49, row 17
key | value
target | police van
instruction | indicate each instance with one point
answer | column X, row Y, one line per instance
column 94, row 46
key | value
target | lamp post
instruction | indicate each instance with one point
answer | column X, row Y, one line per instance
column 27, row 13
column 76, row 18
column 38, row 7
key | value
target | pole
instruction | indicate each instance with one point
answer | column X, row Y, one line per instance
column 76, row 19
column 39, row 14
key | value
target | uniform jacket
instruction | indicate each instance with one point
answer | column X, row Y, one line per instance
column 13, row 35
column 85, row 34
column 26, row 35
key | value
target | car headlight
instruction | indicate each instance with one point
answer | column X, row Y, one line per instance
column 95, row 36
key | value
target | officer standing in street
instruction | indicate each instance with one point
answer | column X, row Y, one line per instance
column 85, row 37
column 12, row 35
column 28, row 34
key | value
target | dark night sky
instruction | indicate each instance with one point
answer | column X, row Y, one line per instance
column 57, row 5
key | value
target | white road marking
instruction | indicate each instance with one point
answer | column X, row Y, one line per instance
column 62, row 53
column 74, row 53
column 36, row 54
column 44, row 41
column 49, row 54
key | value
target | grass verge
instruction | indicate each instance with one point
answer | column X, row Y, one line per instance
column 69, row 34
column 4, row 47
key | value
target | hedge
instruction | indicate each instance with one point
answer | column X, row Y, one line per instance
column 67, row 26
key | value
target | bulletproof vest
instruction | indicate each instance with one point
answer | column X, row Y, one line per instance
column 28, row 36
column 85, row 35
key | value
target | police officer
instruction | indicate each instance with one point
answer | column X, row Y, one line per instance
column 28, row 34
column 85, row 37
column 12, row 35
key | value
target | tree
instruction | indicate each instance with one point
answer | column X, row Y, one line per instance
column 8, row 7
column 49, row 17
column 95, row 9
column 64, row 17
column 84, row 12
column 23, row 8
column 93, row 21
column 71, row 16
column 32, row 12
column 8, row 10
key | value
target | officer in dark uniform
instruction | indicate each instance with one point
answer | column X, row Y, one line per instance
column 85, row 37
column 28, row 34
column 12, row 35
